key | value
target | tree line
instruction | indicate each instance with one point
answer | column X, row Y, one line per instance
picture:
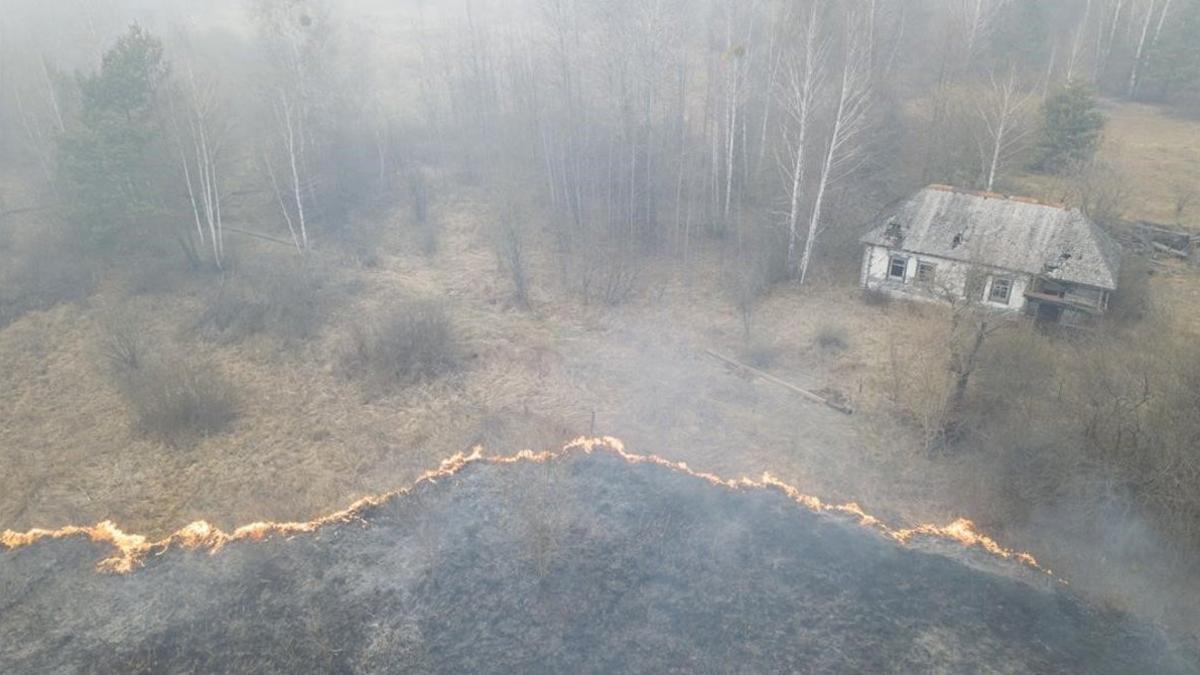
column 778, row 127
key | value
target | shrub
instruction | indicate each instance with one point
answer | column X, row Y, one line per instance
column 412, row 343
column 178, row 402
column 122, row 348
column 874, row 297
column 283, row 299
column 832, row 338
column 746, row 283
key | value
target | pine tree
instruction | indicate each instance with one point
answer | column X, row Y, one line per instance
column 1071, row 129
column 109, row 163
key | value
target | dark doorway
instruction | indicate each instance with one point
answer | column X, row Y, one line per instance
column 1047, row 313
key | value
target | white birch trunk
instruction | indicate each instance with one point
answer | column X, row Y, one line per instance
column 850, row 120
column 1138, row 53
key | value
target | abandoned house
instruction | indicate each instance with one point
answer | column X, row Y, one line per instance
column 1007, row 253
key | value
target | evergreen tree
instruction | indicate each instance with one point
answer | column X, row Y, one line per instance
column 113, row 162
column 1071, row 128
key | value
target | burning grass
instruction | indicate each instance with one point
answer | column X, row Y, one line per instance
column 133, row 549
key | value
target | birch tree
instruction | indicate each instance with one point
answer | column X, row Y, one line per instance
column 980, row 17
column 851, row 120
column 806, row 72
column 296, row 33
column 1140, row 51
column 199, row 154
column 1002, row 112
column 736, row 66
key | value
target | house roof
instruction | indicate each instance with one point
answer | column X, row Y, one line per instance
column 1013, row 233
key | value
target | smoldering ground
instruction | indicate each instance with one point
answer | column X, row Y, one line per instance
column 583, row 564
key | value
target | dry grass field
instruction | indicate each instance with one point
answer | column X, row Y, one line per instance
column 309, row 440
column 1157, row 157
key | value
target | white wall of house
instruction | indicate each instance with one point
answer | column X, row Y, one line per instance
column 949, row 276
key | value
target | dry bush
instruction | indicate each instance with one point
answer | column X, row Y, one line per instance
column 1113, row 415
column 285, row 298
column 918, row 376
column 409, row 344
column 123, row 347
column 1101, row 189
column 175, row 400
column 509, row 241
column 746, row 282
column 40, row 271
column 832, row 339
column 873, row 297
column 610, row 274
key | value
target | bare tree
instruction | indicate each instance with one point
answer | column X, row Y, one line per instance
column 1002, row 112
column 736, row 66
column 1105, row 45
column 1077, row 42
column 851, row 119
column 806, row 70
column 979, row 17
column 199, row 155
column 1139, row 53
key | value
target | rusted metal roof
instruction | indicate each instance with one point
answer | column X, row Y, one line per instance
column 1018, row 234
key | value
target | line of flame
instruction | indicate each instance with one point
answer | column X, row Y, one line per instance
column 133, row 549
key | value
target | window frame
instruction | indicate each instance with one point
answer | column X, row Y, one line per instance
column 893, row 259
column 1007, row 284
column 931, row 267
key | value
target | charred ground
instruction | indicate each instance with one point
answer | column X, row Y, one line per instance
column 578, row 565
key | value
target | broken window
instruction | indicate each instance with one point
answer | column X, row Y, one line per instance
column 1001, row 290
column 926, row 273
column 897, row 268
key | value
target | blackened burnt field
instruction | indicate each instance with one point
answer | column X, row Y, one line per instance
column 581, row 564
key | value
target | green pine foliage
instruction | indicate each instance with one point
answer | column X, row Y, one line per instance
column 111, row 163
column 1072, row 125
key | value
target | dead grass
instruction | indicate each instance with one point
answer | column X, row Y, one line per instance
column 178, row 401
column 1157, row 152
column 307, row 443
column 409, row 344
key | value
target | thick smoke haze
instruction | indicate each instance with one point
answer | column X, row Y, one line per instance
column 263, row 259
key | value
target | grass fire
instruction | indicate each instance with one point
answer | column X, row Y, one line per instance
column 132, row 550
column 639, row 564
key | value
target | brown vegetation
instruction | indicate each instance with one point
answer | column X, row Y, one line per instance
column 175, row 399
column 406, row 345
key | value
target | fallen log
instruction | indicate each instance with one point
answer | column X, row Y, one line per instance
column 815, row 398
column 259, row 235
column 1167, row 249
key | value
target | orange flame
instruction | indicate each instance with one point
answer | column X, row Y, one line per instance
column 132, row 549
